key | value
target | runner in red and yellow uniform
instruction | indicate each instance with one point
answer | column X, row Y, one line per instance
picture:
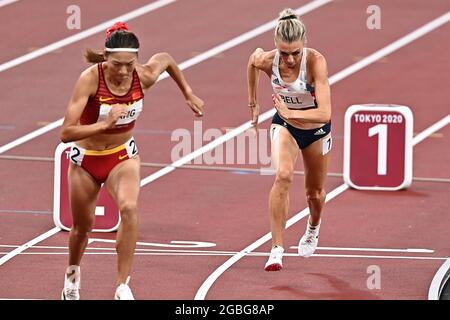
column 107, row 100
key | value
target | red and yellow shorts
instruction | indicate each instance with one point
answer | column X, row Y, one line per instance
column 100, row 163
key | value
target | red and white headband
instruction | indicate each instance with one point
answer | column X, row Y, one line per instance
column 116, row 27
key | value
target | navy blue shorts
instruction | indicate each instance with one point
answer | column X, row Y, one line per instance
column 303, row 137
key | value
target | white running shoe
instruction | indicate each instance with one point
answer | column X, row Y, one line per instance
column 275, row 262
column 72, row 280
column 308, row 243
column 123, row 291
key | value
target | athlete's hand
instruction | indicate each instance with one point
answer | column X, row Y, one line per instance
column 254, row 111
column 116, row 112
column 281, row 107
column 196, row 104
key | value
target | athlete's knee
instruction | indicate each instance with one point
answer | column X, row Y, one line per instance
column 82, row 231
column 128, row 206
column 315, row 194
column 128, row 211
column 284, row 177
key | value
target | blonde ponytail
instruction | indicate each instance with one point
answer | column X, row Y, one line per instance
column 289, row 28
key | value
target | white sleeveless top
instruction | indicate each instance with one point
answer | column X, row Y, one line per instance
column 298, row 94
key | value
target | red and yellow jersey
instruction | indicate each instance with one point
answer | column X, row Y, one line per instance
column 98, row 106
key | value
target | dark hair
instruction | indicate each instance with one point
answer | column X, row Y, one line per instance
column 117, row 39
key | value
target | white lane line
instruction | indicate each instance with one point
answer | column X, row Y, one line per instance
column 172, row 244
column 374, row 257
column 252, row 34
column 150, row 252
column 187, row 250
column 416, row 34
column 11, row 211
column 30, row 243
column 6, row 2
column 84, row 34
column 31, row 135
column 409, row 250
column 20, row 299
column 224, row 252
column 430, row 130
column 184, row 65
column 114, row 249
column 224, row 168
column 204, row 288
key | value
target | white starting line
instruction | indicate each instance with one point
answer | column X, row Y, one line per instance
column 61, row 250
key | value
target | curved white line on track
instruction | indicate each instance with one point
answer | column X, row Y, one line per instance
column 204, row 288
column 201, row 293
column 438, row 281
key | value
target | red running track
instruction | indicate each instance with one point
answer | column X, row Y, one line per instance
column 225, row 207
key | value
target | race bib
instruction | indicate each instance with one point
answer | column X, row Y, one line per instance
column 133, row 112
column 327, row 144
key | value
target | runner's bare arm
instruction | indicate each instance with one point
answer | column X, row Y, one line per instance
column 256, row 62
column 253, row 69
column 71, row 129
column 322, row 114
column 161, row 62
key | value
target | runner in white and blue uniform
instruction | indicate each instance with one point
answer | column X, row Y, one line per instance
column 297, row 95
column 299, row 79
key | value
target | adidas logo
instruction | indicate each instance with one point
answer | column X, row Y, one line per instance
column 319, row 132
column 276, row 81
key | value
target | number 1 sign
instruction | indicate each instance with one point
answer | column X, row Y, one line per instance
column 378, row 147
